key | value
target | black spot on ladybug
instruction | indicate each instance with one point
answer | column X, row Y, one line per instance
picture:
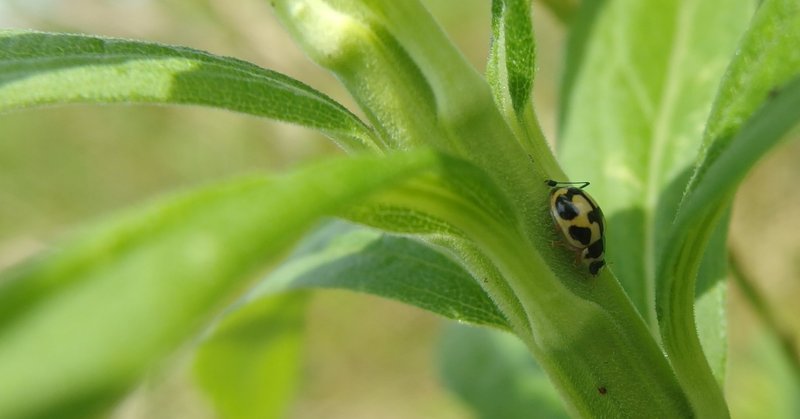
column 602, row 390
column 595, row 250
column 565, row 209
column 596, row 216
column 581, row 234
column 595, row 266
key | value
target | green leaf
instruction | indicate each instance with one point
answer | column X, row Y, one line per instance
column 640, row 83
column 579, row 40
column 512, row 54
column 38, row 69
column 702, row 210
column 342, row 255
column 493, row 373
column 250, row 364
column 79, row 326
column 767, row 60
column 761, row 87
column 510, row 73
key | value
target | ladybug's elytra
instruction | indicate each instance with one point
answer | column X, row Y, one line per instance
column 580, row 221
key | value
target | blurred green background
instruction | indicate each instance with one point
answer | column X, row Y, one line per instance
column 63, row 167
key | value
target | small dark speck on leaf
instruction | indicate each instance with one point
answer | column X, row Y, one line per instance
column 602, row 390
column 773, row 92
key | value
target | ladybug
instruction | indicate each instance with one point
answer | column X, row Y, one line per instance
column 580, row 221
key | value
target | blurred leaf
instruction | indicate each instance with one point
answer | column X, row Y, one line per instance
column 342, row 255
column 765, row 312
column 494, row 374
column 579, row 39
column 250, row 363
column 79, row 326
column 763, row 384
column 563, row 10
column 38, row 69
column 640, row 83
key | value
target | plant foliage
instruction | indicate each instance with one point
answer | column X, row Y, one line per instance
column 665, row 108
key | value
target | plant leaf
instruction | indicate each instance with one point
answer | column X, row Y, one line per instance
column 640, row 85
column 38, row 69
column 702, row 210
column 342, row 255
column 762, row 87
column 765, row 63
column 79, row 326
column 512, row 54
column 493, row 373
column 250, row 364
column 510, row 73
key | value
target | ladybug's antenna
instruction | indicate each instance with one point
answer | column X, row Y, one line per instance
column 552, row 183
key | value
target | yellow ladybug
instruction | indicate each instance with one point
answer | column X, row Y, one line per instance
column 580, row 221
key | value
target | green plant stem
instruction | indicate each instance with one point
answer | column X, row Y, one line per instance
column 585, row 333
column 679, row 332
column 534, row 141
column 764, row 313
column 601, row 357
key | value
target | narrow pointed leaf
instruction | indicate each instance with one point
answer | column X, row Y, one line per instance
column 701, row 212
column 512, row 55
column 80, row 325
column 342, row 255
column 510, row 73
column 766, row 62
column 38, row 69
column 761, row 87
